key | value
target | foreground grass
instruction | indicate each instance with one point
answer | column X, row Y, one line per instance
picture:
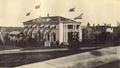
column 13, row 60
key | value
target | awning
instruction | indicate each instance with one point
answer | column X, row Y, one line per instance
column 47, row 26
column 52, row 26
column 41, row 26
column 15, row 32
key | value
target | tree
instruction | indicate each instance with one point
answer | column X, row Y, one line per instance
column 88, row 24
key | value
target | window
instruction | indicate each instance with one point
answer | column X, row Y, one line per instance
column 47, row 37
column 78, row 26
column 54, row 37
column 53, row 26
column 70, row 26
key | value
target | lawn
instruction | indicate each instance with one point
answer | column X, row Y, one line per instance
column 13, row 60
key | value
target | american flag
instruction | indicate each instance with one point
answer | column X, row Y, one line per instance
column 27, row 14
column 71, row 9
column 79, row 17
column 37, row 6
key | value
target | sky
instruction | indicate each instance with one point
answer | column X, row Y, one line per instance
column 13, row 12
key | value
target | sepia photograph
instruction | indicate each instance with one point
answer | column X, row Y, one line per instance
column 59, row 33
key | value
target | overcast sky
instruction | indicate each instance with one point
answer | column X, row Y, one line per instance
column 13, row 12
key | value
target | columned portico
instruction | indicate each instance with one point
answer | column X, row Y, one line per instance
column 74, row 28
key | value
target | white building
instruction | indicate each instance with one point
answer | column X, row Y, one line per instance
column 57, row 28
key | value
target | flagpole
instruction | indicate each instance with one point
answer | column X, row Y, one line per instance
column 38, row 7
column 72, row 12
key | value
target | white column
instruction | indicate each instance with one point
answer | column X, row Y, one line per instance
column 61, row 32
column 50, row 38
column 66, row 33
column 80, row 33
column 73, row 29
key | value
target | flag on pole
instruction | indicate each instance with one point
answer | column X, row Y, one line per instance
column 79, row 17
column 27, row 14
column 37, row 6
column 71, row 9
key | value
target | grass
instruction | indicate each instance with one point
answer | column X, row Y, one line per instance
column 13, row 60
column 17, row 59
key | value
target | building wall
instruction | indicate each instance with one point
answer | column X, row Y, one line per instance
column 64, row 30
column 98, row 33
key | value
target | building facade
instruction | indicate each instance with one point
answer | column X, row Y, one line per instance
column 57, row 29
column 99, row 33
